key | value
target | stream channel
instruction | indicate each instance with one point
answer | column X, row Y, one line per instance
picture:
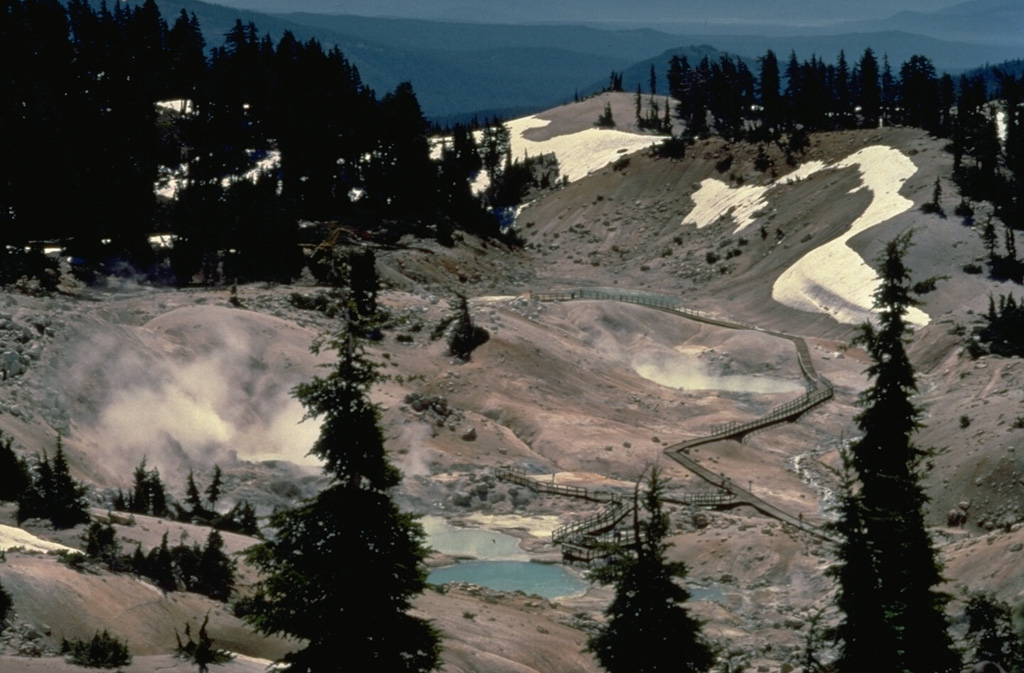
column 498, row 562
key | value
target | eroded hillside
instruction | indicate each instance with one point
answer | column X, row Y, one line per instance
column 584, row 392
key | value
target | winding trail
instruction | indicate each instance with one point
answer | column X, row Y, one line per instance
column 819, row 390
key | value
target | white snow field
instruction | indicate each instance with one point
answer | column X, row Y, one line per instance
column 832, row 278
column 578, row 153
column 715, row 199
column 16, row 538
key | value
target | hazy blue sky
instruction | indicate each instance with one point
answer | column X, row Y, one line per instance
column 799, row 12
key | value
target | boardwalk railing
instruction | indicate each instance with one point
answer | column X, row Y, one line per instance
column 607, row 518
column 593, row 547
column 580, row 540
column 716, row 498
column 781, row 413
column 519, row 476
column 653, row 301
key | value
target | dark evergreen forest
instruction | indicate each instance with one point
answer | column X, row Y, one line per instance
column 782, row 104
column 84, row 143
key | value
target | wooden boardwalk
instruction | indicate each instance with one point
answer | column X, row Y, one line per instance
column 585, row 539
column 819, row 390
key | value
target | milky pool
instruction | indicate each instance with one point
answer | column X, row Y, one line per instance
column 498, row 562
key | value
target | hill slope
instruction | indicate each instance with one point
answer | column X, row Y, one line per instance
column 586, row 393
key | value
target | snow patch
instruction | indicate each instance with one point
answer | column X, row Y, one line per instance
column 15, row 538
column 832, row 278
column 180, row 105
column 578, row 153
column 715, row 199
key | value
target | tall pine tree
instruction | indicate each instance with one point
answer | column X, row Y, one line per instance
column 888, row 572
column 647, row 628
column 351, row 532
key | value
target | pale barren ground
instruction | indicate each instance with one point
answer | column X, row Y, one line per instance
column 186, row 381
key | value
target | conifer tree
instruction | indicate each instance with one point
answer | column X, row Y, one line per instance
column 213, row 491
column 216, row 571
column 605, row 120
column 148, row 495
column 54, row 493
column 192, row 497
column 465, row 336
column 990, row 240
column 991, row 633
column 6, row 603
column 67, row 506
column 138, row 561
column 101, row 543
column 352, row 529
column 363, row 281
column 14, row 477
column 771, row 101
column 869, row 89
column 648, row 629
column 888, row 565
column 33, row 500
column 159, row 566
column 241, row 519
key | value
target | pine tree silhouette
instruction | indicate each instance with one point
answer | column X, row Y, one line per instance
column 647, row 627
column 351, row 531
column 888, row 570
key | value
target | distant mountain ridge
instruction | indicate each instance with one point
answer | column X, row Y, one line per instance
column 650, row 13
column 460, row 69
column 994, row 22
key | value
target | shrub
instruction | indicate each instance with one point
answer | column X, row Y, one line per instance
column 672, row 148
column 606, row 120
column 965, row 421
column 72, row 559
column 762, row 162
column 200, row 652
column 972, row 268
column 102, row 651
column 964, row 209
column 927, row 285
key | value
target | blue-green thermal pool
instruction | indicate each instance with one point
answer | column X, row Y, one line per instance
column 498, row 562
column 542, row 579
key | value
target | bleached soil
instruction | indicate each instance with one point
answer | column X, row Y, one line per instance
column 570, row 390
